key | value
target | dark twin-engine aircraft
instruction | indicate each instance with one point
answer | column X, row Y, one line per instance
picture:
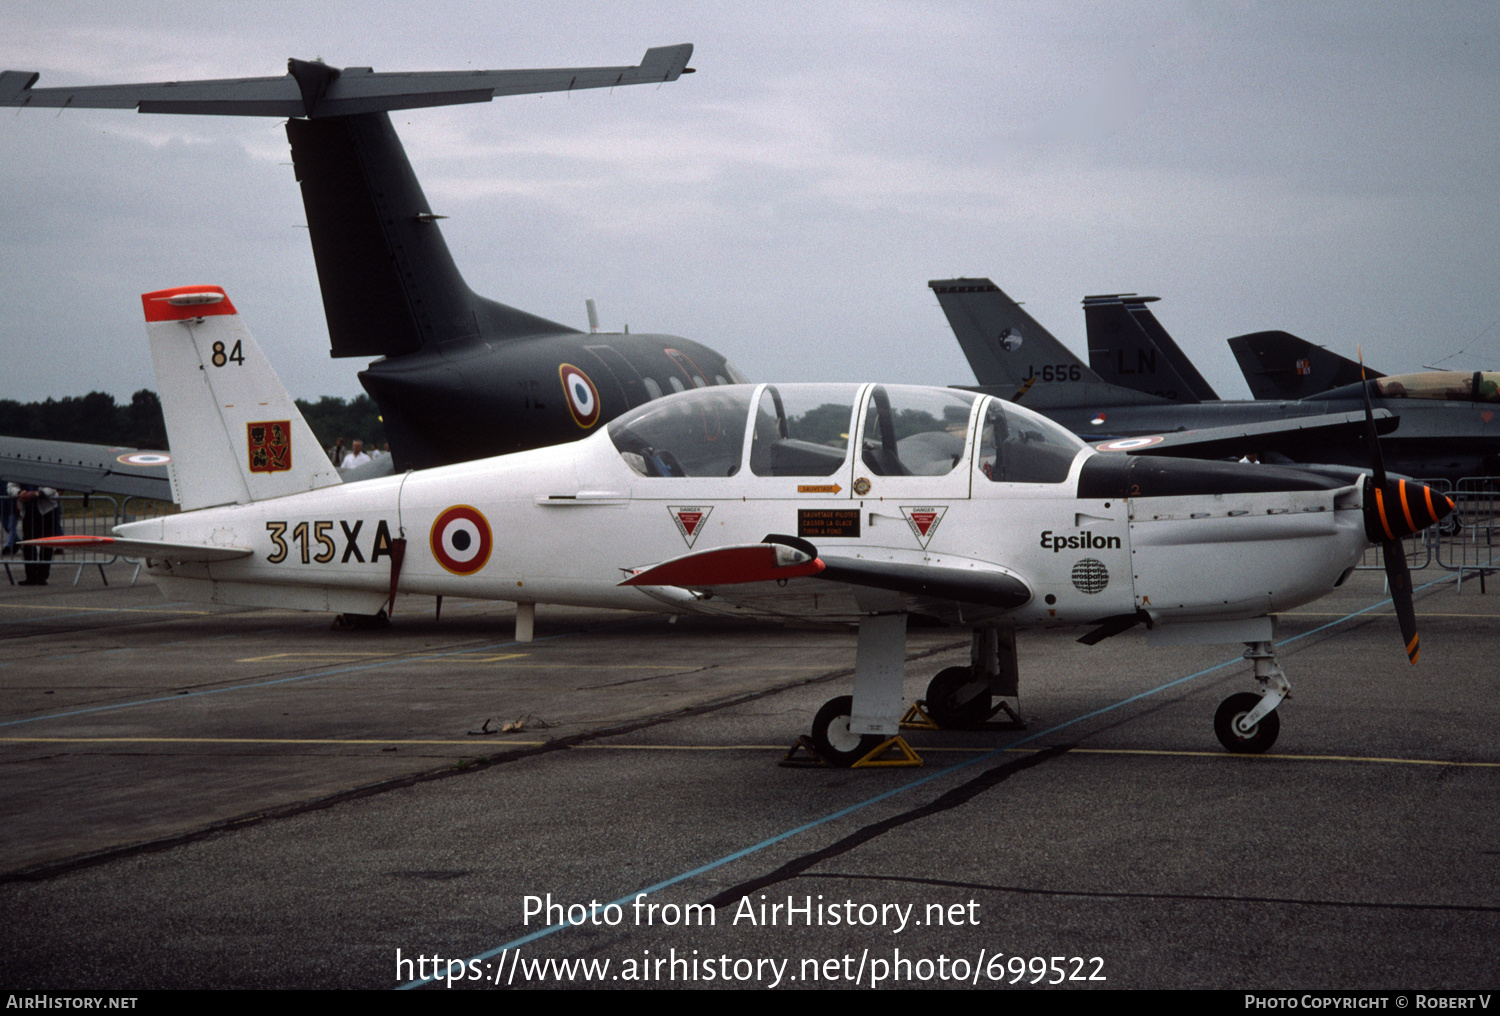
column 459, row 376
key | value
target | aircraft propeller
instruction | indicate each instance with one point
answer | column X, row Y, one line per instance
column 1395, row 510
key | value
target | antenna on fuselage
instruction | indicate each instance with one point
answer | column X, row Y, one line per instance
column 593, row 317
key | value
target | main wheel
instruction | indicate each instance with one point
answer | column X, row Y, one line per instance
column 836, row 743
column 944, row 707
column 1260, row 738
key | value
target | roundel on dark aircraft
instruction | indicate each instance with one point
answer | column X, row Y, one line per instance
column 583, row 397
column 461, row 540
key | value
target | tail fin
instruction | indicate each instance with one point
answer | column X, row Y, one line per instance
column 389, row 282
column 1278, row 365
column 1129, row 347
column 234, row 432
column 1005, row 345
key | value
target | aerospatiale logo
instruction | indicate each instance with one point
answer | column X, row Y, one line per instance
column 270, row 445
column 690, row 520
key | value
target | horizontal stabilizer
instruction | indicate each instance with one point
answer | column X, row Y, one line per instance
column 313, row 89
column 155, row 549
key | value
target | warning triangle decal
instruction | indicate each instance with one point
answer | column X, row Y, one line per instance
column 690, row 520
column 923, row 520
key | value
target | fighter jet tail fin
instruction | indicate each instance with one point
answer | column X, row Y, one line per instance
column 235, row 434
column 1278, row 365
column 389, row 283
column 1130, row 348
column 1005, row 345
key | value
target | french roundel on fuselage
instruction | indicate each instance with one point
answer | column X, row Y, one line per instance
column 461, row 539
column 581, row 395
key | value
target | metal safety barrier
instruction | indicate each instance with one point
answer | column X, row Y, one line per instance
column 1474, row 549
column 81, row 515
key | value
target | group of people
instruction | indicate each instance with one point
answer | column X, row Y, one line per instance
column 28, row 512
column 357, row 456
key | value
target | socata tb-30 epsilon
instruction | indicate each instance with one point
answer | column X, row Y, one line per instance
column 863, row 503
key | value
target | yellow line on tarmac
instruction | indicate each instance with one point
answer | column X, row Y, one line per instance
column 55, row 607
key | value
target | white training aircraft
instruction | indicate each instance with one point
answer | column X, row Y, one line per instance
column 893, row 501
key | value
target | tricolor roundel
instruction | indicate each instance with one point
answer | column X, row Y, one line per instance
column 461, row 540
column 583, row 397
column 1129, row 444
column 144, row 459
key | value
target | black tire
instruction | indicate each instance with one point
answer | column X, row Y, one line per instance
column 830, row 732
column 943, row 707
column 1260, row 739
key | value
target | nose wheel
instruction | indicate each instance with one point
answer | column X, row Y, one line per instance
column 1229, row 725
column 1247, row 723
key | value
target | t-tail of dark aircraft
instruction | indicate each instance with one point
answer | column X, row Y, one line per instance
column 390, row 286
column 1130, row 348
column 1278, row 365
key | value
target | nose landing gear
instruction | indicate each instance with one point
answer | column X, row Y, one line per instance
column 1247, row 723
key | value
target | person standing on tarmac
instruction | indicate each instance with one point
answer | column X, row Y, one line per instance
column 41, row 516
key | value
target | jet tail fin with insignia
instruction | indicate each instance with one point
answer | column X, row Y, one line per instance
column 1279, row 365
column 235, row 434
column 1129, row 347
column 1004, row 345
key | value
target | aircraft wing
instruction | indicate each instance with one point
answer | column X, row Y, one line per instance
column 313, row 89
column 104, row 469
column 784, row 575
column 156, row 549
column 89, row 469
column 1290, row 437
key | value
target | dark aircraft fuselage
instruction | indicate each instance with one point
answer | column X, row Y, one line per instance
column 1437, row 438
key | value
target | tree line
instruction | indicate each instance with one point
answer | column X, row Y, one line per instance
column 96, row 418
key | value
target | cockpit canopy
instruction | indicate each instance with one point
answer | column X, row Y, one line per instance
column 1445, row 385
column 808, row 430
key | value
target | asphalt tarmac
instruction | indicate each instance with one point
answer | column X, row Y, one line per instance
column 215, row 797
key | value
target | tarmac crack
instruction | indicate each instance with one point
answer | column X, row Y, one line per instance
column 955, row 798
column 461, row 767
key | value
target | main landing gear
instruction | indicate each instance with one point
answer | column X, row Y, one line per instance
column 968, row 698
column 1247, row 723
column 853, row 729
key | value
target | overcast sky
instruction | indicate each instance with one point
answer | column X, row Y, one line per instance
column 1332, row 170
